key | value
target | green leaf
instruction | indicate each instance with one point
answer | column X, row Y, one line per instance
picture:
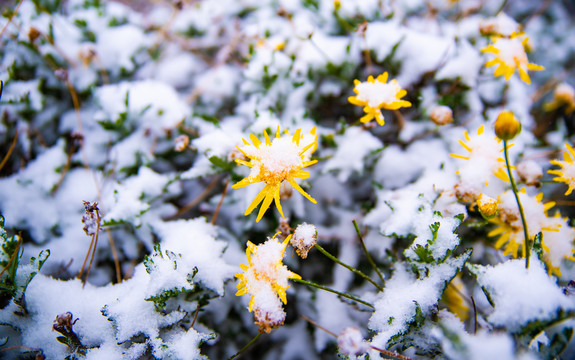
column 218, row 162
column 434, row 229
column 424, row 254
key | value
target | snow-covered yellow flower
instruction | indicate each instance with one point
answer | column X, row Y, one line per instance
column 265, row 279
column 564, row 95
column 483, row 160
column 510, row 227
column 567, row 172
column 487, row 206
column 275, row 161
column 377, row 94
column 510, row 55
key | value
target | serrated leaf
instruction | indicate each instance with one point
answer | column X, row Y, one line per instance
column 424, row 253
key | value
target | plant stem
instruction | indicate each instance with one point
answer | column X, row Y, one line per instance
column 236, row 355
column 366, row 252
column 516, row 193
column 350, row 268
column 321, row 287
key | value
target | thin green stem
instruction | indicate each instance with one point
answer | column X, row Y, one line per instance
column 350, row 268
column 371, row 262
column 236, row 355
column 325, row 288
column 516, row 193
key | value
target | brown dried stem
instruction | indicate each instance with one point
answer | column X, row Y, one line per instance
column 9, row 153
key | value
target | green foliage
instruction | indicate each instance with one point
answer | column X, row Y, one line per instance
column 11, row 286
column 311, row 4
column 195, row 292
column 424, row 253
column 49, row 6
column 223, row 164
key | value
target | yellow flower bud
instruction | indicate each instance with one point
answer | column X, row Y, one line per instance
column 507, row 126
column 441, row 115
column 487, row 206
column 336, row 5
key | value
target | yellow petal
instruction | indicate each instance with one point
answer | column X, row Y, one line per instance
column 298, row 188
column 257, row 200
column 265, row 205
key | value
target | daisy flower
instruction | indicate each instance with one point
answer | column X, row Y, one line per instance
column 510, row 55
column 483, row 160
column 274, row 161
column 567, row 172
column 265, row 279
column 509, row 226
column 377, row 94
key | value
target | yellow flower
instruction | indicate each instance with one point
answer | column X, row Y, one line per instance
column 274, row 161
column 564, row 95
column 377, row 94
column 510, row 227
column 567, row 172
column 507, row 126
column 487, row 206
column 265, row 272
column 484, row 157
column 510, row 55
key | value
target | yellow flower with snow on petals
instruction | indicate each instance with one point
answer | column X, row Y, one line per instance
column 483, row 158
column 487, row 206
column 510, row 55
column 567, row 172
column 275, row 161
column 377, row 94
column 265, row 273
column 510, row 227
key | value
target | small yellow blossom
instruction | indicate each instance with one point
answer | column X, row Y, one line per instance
column 377, row 94
column 507, row 126
column 510, row 227
column 274, row 161
column 564, row 95
column 567, row 172
column 484, row 156
column 265, row 265
column 510, row 55
column 487, row 206
column 265, row 279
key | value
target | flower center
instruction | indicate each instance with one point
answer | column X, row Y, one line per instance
column 274, row 163
column 512, row 52
column 377, row 93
